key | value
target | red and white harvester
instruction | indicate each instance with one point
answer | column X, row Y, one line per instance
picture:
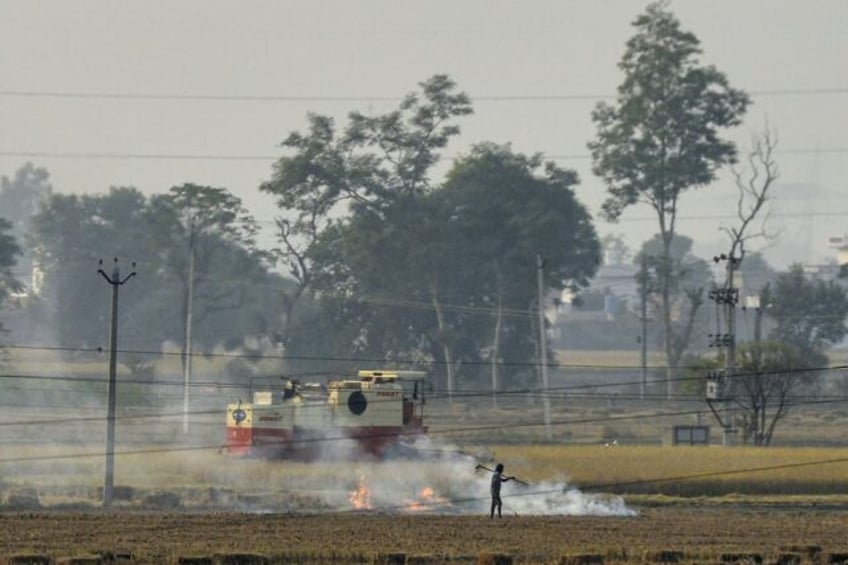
column 379, row 409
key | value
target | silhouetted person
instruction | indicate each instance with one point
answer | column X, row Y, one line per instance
column 497, row 478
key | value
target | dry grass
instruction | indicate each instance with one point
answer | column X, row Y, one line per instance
column 689, row 471
column 613, row 357
column 637, row 470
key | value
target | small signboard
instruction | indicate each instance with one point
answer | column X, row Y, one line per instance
column 691, row 435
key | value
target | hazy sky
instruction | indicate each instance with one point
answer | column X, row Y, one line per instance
column 157, row 93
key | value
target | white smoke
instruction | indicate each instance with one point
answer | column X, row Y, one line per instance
column 555, row 498
column 442, row 480
column 424, row 477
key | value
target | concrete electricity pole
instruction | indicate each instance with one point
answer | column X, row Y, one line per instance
column 116, row 281
column 643, row 318
column 543, row 346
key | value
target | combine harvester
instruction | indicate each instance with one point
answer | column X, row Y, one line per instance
column 379, row 411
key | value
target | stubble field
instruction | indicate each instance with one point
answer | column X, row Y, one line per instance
column 642, row 501
column 683, row 534
column 191, row 508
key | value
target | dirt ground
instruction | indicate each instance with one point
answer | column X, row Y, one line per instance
column 692, row 534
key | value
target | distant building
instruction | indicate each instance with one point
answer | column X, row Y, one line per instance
column 840, row 243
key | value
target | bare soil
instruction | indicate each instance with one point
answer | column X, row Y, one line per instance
column 694, row 534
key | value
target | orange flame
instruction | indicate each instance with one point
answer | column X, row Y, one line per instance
column 361, row 497
column 426, row 500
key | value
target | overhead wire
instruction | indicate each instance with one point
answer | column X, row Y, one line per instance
column 67, row 94
column 394, row 362
column 268, row 158
column 477, row 429
column 448, row 431
column 564, row 393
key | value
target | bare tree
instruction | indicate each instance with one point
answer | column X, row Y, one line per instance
column 753, row 179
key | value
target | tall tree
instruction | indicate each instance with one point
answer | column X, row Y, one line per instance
column 661, row 137
column 509, row 208
column 372, row 163
column 195, row 224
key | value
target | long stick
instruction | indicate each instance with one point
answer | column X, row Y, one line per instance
column 516, row 479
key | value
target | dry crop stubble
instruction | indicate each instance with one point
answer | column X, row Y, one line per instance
column 699, row 534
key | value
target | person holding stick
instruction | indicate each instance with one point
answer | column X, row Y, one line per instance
column 495, row 489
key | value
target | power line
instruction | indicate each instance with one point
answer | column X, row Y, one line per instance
column 565, row 392
column 270, row 158
column 140, row 156
column 80, row 95
column 343, row 437
column 365, row 360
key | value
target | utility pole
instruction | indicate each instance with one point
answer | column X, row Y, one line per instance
column 116, row 281
column 720, row 383
column 643, row 317
column 730, row 361
column 543, row 345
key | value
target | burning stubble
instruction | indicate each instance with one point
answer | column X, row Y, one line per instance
column 439, row 480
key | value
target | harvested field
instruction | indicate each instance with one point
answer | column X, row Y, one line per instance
column 683, row 534
column 187, row 507
column 180, row 500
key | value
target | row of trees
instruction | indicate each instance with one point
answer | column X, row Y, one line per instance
column 406, row 272
column 198, row 266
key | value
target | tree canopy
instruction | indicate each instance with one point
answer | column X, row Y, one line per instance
column 412, row 269
column 809, row 313
column 373, row 168
column 661, row 137
column 71, row 234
